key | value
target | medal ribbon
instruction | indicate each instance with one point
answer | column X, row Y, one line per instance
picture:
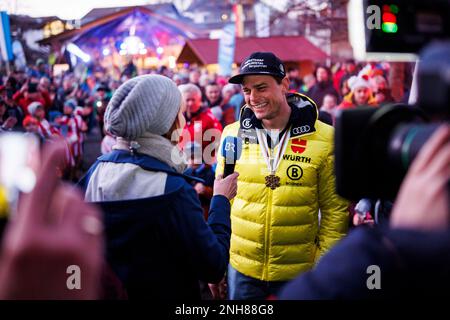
column 273, row 166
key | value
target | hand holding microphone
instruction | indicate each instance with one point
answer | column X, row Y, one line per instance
column 226, row 184
column 231, row 151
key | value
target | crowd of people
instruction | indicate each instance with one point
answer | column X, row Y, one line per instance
column 70, row 105
column 172, row 225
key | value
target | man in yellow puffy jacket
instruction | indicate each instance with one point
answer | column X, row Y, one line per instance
column 286, row 213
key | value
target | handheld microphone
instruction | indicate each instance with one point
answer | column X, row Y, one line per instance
column 231, row 151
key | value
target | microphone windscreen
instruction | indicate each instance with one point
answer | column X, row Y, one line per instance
column 231, row 149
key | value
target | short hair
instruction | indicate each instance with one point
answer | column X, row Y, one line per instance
column 230, row 87
column 213, row 84
column 189, row 87
column 321, row 66
column 332, row 95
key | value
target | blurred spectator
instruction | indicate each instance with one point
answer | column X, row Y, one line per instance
column 177, row 79
column 381, row 90
column 219, row 107
column 102, row 97
column 7, row 122
column 199, row 119
column 329, row 106
column 323, row 86
column 373, row 68
column 237, row 101
column 72, row 129
column 197, row 168
column 30, row 92
column 13, row 110
column 348, row 70
column 40, row 70
column 329, row 103
column 44, row 84
column 31, row 125
column 194, row 77
column 204, row 80
column 36, row 110
column 130, row 70
column 360, row 94
column 295, row 83
column 64, row 92
column 345, row 89
column 229, row 92
column 308, row 82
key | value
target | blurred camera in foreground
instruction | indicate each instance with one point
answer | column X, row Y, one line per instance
column 374, row 147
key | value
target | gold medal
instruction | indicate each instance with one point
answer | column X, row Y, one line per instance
column 272, row 181
column 272, row 161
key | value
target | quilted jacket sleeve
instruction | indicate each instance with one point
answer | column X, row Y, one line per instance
column 333, row 208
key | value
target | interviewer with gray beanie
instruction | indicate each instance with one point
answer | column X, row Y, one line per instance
column 147, row 103
column 157, row 241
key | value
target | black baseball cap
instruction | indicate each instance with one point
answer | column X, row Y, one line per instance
column 264, row 63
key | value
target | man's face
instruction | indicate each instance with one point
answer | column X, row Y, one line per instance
column 67, row 110
column 329, row 102
column 322, row 75
column 212, row 92
column 44, row 83
column 264, row 95
column 39, row 113
column 361, row 95
column 194, row 76
column 192, row 101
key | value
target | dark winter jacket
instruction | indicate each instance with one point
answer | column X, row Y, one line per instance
column 160, row 247
column 411, row 264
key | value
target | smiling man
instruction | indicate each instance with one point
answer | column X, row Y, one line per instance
column 286, row 177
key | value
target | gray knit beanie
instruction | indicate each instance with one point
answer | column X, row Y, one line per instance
column 148, row 103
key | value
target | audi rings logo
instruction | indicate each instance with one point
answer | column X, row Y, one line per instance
column 246, row 123
column 302, row 129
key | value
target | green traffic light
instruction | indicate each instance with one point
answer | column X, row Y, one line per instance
column 394, row 8
column 389, row 27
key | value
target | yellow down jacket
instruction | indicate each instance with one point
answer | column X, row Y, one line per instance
column 277, row 234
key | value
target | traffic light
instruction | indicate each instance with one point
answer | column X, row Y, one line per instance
column 396, row 29
column 389, row 18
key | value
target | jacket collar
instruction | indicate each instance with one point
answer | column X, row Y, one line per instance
column 302, row 120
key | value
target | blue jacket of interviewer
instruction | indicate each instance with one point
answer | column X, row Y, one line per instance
column 160, row 247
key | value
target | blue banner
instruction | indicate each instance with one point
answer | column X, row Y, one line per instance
column 226, row 50
column 5, row 37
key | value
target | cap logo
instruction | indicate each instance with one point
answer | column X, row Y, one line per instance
column 254, row 63
column 281, row 68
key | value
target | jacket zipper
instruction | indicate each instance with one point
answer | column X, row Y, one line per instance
column 267, row 236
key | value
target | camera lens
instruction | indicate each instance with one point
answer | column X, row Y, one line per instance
column 407, row 141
